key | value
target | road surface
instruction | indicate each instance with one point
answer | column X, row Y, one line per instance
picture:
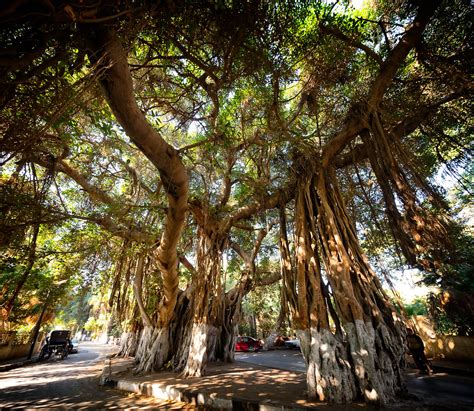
column 440, row 389
column 70, row 384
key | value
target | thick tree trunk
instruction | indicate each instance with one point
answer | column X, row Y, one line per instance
column 329, row 376
column 362, row 357
column 374, row 332
column 154, row 349
column 207, row 302
column 128, row 344
column 110, row 57
column 202, row 335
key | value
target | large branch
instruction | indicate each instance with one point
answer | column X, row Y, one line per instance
column 357, row 118
column 117, row 85
column 63, row 166
column 98, row 196
column 402, row 129
column 352, row 42
column 281, row 196
column 400, row 52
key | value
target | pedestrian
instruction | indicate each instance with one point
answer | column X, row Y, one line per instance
column 417, row 351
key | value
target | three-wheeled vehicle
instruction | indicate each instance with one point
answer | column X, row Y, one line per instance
column 56, row 343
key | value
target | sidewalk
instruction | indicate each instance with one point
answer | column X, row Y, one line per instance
column 463, row 368
column 16, row 363
column 240, row 386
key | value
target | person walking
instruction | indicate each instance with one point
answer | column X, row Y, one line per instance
column 417, row 351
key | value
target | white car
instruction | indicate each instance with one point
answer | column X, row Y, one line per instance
column 73, row 345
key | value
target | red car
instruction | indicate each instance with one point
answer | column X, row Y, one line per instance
column 247, row 344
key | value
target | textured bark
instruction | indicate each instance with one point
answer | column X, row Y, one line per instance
column 329, row 376
column 111, row 61
column 207, row 301
column 374, row 332
column 153, row 350
column 362, row 357
column 128, row 344
column 196, row 363
column 232, row 313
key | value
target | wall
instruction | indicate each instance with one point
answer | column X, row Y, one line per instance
column 444, row 346
column 9, row 350
column 450, row 347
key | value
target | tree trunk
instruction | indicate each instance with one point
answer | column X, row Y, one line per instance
column 232, row 313
column 374, row 331
column 362, row 357
column 128, row 344
column 207, row 302
column 277, row 328
column 109, row 56
column 329, row 376
column 154, row 349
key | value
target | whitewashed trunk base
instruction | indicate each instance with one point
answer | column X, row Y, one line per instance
column 376, row 356
column 329, row 377
column 128, row 345
column 153, row 350
column 197, row 355
column 270, row 341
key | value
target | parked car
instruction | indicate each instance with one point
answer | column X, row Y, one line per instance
column 247, row 344
column 293, row 344
column 73, row 346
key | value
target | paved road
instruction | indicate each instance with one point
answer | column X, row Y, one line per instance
column 440, row 389
column 70, row 383
column 290, row 360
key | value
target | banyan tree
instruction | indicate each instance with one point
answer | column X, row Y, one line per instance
column 190, row 130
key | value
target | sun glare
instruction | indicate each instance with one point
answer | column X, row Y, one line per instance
column 358, row 4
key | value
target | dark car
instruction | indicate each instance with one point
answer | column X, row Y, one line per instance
column 247, row 344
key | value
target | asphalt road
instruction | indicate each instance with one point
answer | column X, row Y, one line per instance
column 440, row 389
column 70, row 383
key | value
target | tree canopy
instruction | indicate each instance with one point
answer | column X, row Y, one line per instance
column 174, row 156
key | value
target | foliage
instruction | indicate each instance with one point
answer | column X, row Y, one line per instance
column 418, row 307
column 246, row 92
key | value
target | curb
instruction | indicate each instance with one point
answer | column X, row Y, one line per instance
column 190, row 396
column 8, row 367
column 170, row 392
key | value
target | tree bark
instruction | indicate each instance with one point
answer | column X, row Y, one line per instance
column 111, row 63
column 360, row 355
column 207, row 301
